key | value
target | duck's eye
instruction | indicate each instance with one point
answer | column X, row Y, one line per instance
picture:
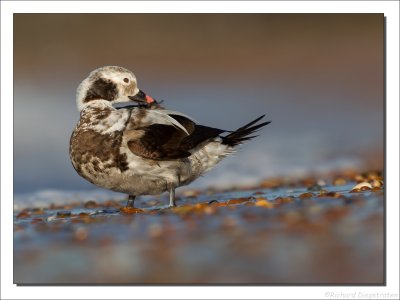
column 126, row 80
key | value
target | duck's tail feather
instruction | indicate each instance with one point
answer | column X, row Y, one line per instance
column 243, row 133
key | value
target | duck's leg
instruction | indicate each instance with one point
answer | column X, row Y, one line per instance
column 131, row 201
column 171, row 190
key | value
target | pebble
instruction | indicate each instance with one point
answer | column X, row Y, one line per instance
column 126, row 210
column 264, row 203
column 376, row 183
column 36, row 220
column 90, row 204
column 339, row 181
column 288, row 199
column 63, row 214
column 38, row 211
column 306, row 195
column 362, row 186
column 237, row 201
column 330, row 194
column 23, row 215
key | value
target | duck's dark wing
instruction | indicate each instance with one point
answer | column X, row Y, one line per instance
column 166, row 142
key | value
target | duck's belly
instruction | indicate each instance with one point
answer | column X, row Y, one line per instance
column 132, row 184
column 139, row 177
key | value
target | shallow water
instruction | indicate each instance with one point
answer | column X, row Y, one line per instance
column 276, row 233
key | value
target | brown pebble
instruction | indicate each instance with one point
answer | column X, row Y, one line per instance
column 63, row 214
column 23, row 215
column 373, row 175
column 330, row 194
column 264, row 203
column 376, row 183
column 306, row 195
column 90, row 204
column 308, row 182
column 38, row 211
column 237, row 201
column 36, row 220
column 359, row 178
column 322, row 192
column 288, row 199
column 131, row 210
column 339, row 181
column 365, row 188
column 216, row 203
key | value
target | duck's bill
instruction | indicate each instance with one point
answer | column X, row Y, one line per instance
column 142, row 98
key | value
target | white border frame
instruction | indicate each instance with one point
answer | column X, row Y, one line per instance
column 391, row 11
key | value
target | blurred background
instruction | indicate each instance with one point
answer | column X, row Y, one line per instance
column 318, row 77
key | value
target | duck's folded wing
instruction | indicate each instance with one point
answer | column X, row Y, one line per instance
column 166, row 142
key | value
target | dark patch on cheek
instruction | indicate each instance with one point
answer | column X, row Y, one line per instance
column 101, row 89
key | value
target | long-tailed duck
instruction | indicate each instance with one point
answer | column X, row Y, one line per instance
column 138, row 150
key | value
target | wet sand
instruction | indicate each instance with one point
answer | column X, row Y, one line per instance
column 313, row 230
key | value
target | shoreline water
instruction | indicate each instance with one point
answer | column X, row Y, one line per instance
column 305, row 231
